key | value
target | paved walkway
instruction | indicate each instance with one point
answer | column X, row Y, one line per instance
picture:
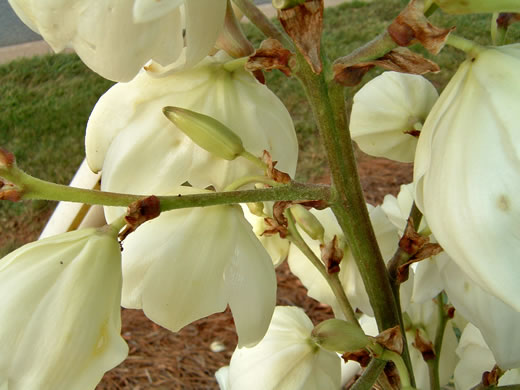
column 39, row 47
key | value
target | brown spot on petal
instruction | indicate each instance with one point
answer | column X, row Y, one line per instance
column 504, row 203
column 304, row 24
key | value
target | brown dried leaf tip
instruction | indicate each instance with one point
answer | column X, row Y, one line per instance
column 139, row 212
column 7, row 159
column 361, row 356
column 275, row 228
column 424, row 346
column 272, row 172
column 331, row 254
column 411, row 26
column 490, row 378
column 304, row 24
column 412, row 241
column 271, row 55
column 505, row 19
column 391, row 339
column 400, row 59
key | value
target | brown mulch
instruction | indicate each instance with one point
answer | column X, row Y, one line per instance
column 160, row 359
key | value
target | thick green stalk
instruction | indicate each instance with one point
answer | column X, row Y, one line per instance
column 433, row 364
column 348, row 202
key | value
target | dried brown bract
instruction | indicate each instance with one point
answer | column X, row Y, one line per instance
column 271, row 55
column 304, row 24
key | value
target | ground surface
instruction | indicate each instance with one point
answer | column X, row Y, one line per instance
column 160, row 359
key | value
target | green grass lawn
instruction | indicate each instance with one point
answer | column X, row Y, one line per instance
column 45, row 101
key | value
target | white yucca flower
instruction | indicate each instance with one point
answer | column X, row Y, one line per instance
column 116, row 38
column 388, row 114
column 141, row 151
column 286, row 359
column 467, row 170
column 60, row 309
column 187, row 264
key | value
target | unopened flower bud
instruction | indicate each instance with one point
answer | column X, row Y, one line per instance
column 208, row 133
column 339, row 336
column 256, row 208
column 308, row 222
column 478, row 6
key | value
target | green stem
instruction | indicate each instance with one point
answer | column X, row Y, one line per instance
column 376, row 48
column 255, row 160
column 348, row 203
column 433, row 365
column 400, row 366
column 33, row 188
column 470, row 47
column 370, row 375
column 332, row 279
column 261, row 21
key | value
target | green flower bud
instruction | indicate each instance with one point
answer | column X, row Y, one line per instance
column 478, row 6
column 339, row 336
column 206, row 132
column 308, row 222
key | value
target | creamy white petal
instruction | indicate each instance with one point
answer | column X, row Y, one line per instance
column 188, row 264
column 250, row 285
column 467, row 171
column 386, row 110
column 60, row 301
column 498, row 323
column 148, row 10
column 143, row 141
column 285, row 359
column 110, row 42
column 204, row 21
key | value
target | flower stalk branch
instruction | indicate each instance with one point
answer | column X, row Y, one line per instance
column 261, row 21
column 34, row 188
column 332, row 279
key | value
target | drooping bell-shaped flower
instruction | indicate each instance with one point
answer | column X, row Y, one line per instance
column 116, row 38
column 187, row 264
column 387, row 238
column 475, row 359
column 498, row 323
column 60, row 309
column 128, row 132
column 286, row 358
column 467, row 170
column 388, row 114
